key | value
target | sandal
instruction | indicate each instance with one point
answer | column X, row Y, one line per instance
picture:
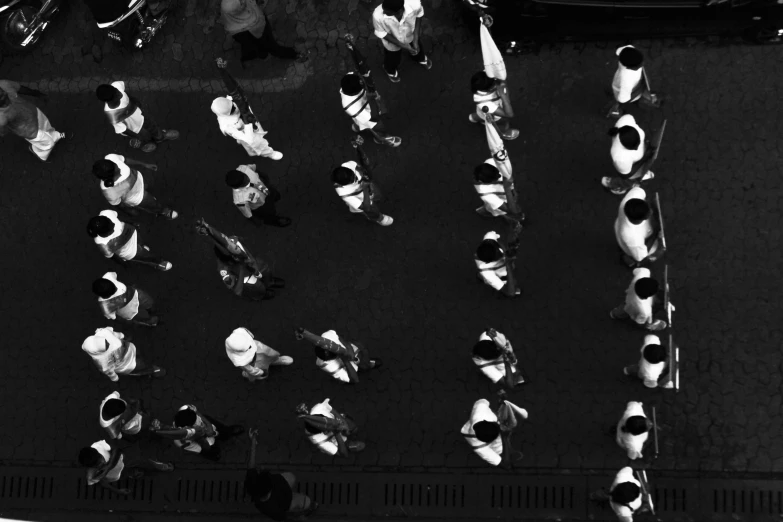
column 169, row 135
column 135, row 143
column 149, row 147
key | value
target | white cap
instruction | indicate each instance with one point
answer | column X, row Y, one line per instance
column 240, row 347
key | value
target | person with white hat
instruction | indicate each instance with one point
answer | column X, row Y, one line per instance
column 124, row 302
column 250, row 136
column 254, row 357
column 490, row 96
column 115, row 355
column 120, row 417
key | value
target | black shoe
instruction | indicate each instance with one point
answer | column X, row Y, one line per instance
column 278, row 282
column 376, row 363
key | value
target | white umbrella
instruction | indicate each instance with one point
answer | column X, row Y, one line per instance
column 498, row 151
column 494, row 65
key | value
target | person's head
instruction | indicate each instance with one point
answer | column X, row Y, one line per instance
column 488, row 251
column 486, row 431
column 343, row 176
column 100, row 226
column 392, row 7
column 486, row 173
column 258, row 483
column 112, row 408
column 645, row 287
column 103, row 288
column 637, row 210
column 105, row 170
column 236, row 179
column 486, row 349
column 631, row 58
column 654, row 353
column 636, row 425
column 5, row 101
column 108, row 93
column 233, row 7
column 625, row 493
column 90, row 458
column 481, row 82
column 324, row 355
column 185, row 418
column 351, row 84
column 629, row 136
column 222, row 106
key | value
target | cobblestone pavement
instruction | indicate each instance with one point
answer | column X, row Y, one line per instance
column 408, row 291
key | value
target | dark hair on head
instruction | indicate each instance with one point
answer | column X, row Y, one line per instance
column 481, row 82
column 257, row 483
column 645, row 287
column 106, row 92
column 324, row 355
column 631, row 58
column 236, row 179
column 393, row 5
column 100, row 226
column 637, row 210
column 186, row 417
column 486, row 431
column 486, row 173
column 351, row 84
column 104, row 169
column 488, row 251
column 343, row 176
column 486, row 349
column 654, row 353
column 625, row 493
column 90, row 458
column 103, row 288
column 629, row 137
column 112, row 408
column 222, row 255
column 636, row 425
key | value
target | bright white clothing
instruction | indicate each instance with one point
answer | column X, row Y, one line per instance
column 490, row 451
column 133, row 122
column 192, row 445
column 352, row 193
column 630, row 237
column 649, row 372
column 126, row 251
column 46, row 138
column 493, row 273
column 250, row 137
column 640, row 310
column 114, row 473
column 131, row 308
column 401, row 29
column 336, row 367
column 241, row 347
column 251, row 197
column 625, row 81
column 325, row 442
column 492, row 194
column 109, row 353
column 114, row 428
column 134, row 195
column 632, row 443
column 358, row 108
column 625, row 512
column 489, row 99
column 623, row 158
column 495, row 369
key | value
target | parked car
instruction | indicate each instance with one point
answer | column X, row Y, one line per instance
column 523, row 22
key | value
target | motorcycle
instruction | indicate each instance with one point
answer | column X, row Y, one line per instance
column 133, row 24
column 22, row 22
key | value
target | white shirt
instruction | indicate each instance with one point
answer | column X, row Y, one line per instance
column 492, row 273
column 631, row 238
column 352, row 194
column 490, row 451
column 648, row 371
column 623, row 158
column 492, row 194
column 358, row 108
column 625, row 80
column 632, row 443
column 133, row 122
column 105, row 348
column 624, row 512
column 114, row 473
column 126, row 251
column 135, row 194
column 401, row 29
column 640, row 310
column 131, row 308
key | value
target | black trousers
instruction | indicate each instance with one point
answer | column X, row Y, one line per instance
column 253, row 47
column 213, row 452
column 391, row 59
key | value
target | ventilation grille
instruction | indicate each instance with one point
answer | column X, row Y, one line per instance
column 533, row 497
column 191, row 491
column 424, row 495
column 746, row 502
column 26, row 488
column 670, row 496
column 140, row 491
column 338, row 493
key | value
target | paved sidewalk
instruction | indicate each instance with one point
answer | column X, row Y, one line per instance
column 408, row 292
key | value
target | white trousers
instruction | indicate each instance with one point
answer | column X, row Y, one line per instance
column 46, row 139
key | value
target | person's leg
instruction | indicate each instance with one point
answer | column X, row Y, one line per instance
column 210, row 452
column 619, row 313
column 391, row 61
column 156, row 133
column 421, row 57
column 150, row 203
column 275, row 49
column 144, row 256
column 225, row 432
column 145, row 315
column 143, row 369
column 300, row 503
column 267, row 214
column 618, row 184
column 632, row 370
column 249, row 46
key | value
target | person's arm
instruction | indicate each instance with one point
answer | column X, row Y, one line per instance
column 245, row 210
column 30, row 92
column 137, row 163
column 253, row 434
column 507, row 109
column 108, row 485
column 252, row 370
column 380, row 32
column 391, row 39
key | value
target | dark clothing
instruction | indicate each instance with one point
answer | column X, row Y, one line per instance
column 267, row 213
column 262, row 47
column 150, row 132
column 146, row 304
column 236, row 283
column 144, row 255
column 391, row 59
column 213, row 452
column 278, row 504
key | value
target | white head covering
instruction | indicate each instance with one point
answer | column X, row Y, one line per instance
column 492, row 235
column 240, row 347
column 222, row 106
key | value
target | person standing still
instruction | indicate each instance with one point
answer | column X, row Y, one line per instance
column 247, row 24
column 26, row 120
column 398, row 24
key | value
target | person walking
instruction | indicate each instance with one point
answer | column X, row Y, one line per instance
column 27, row 121
column 245, row 280
column 332, row 355
column 494, row 355
column 356, row 104
column 329, row 430
column 105, row 463
column 639, row 299
column 272, row 493
column 252, row 356
column 118, row 300
column 636, row 229
column 255, row 198
column 490, row 97
column 398, row 24
column 248, row 25
column 652, row 364
column 124, row 186
column 629, row 83
column 491, row 264
column 120, row 240
column 624, row 497
column 124, row 418
column 489, row 186
column 630, row 153
column 482, row 432
column 199, row 433
column 126, row 116
column 250, row 136
column 358, row 192
column 633, row 430
column 114, row 355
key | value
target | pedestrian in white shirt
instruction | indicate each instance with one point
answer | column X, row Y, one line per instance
column 125, row 187
column 628, row 83
column 635, row 229
column 358, row 192
column 334, row 365
column 120, row 240
column 490, row 97
column 124, row 418
column 105, row 463
column 123, row 302
column 482, row 432
column 624, row 497
column 652, row 364
column 488, row 357
column 629, row 153
column 254, row 357
column 639, row 298
column 491, row 264
column 324, row 426
column 126, row 116
column 633, row 430
column 114, row 355
column 250, row 136
column 254, row 196
column 356, row 104
column 398, row 24
column 488, row 183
